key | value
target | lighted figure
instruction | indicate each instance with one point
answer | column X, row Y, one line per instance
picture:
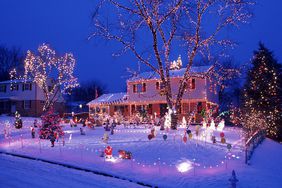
column 105, row 138
column 72, row 123
column 124, row 154
column 212, row 126
column 184, row 123
column 167, row 122
column 32, row 132
column 108, row 152
column 7, row 129
column 82, row 132
column 35, row 123
column 52, row 139
column 220, row 126
column 204, row 124
column 18, row 121
column 70, row 137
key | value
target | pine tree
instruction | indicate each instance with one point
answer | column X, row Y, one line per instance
column 262, row 92
column 50, row 125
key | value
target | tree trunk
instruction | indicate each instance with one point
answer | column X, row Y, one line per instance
column 174, row 118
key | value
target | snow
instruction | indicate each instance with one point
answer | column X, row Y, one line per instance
column 173, row 73
column 17, row 172
column 109, row 98
column 170, row 163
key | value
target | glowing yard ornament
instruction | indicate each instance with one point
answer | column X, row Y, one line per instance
column 204, row 124
column 184, row 166
column 212, row 126
column 167, row 122
column 220, row 126
column 108, row 152
column 184, row 123
column 70, row 137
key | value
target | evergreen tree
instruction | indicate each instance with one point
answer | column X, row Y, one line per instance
column 262, row 92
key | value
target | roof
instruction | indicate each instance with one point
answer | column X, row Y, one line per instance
column 173, row 73
column 109, row 98
column 15, row 81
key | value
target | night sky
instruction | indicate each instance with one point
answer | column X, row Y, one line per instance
column 66, row 24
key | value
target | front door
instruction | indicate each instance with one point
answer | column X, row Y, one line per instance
column 163, row 109
column 13, row 108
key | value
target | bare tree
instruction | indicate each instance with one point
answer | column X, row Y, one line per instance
column 149, row 29
column 52, row 73
column 10, row 58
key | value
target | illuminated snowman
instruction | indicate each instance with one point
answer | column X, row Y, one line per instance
column 220, row 126
column 212, row 126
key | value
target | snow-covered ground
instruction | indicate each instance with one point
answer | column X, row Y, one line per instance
column 24, row 173
column 157, row 161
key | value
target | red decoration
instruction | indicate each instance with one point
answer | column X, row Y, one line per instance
column 109, row 151
column 185, row 138
column 124, row 154
column 221, row 134
column 150, row 136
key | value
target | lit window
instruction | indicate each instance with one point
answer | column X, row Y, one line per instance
column 144, row 87
column 193, row 84
column 157, row 85
column 134, row 89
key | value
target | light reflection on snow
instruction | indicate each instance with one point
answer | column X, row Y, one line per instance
column 112, row 159
column 184, row 166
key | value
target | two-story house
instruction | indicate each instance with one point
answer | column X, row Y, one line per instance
column 145, row 91
column 25, row 97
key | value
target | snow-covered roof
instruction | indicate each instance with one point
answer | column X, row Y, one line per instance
column 109, row 98
column 15, row 81
column 173, row 73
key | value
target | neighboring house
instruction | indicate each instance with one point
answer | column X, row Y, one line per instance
column 145, row 91
column 25, row 97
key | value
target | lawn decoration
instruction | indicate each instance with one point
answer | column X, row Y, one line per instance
column 223, row 140
column 229, row 146
column 212, row 125
column 124, row 154
column 190, row 135
column 105, row 138
column 108, row 152
column 18, row 121
column 221, row 125
column 184, row 138
column 82, row 132
column 213, row 139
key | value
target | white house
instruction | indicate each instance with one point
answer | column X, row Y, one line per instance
column 25, row 97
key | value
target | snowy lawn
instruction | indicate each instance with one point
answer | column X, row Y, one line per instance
column 157, row 162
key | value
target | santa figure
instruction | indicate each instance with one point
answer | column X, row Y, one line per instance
column 109, row 152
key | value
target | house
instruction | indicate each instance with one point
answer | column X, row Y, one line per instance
column 145, row 92
column 26, row 97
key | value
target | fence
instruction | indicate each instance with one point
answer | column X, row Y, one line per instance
column 252, row 143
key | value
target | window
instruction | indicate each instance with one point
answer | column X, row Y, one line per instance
column 134, row 88
column 157, row 85
column 27, row 86
column 193, row 84
column 144, row 87
column 27, row 104
column 14, row 87
column 3, row 88
column 138, row 88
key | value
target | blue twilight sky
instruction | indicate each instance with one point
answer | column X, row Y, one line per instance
column 66, row 24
